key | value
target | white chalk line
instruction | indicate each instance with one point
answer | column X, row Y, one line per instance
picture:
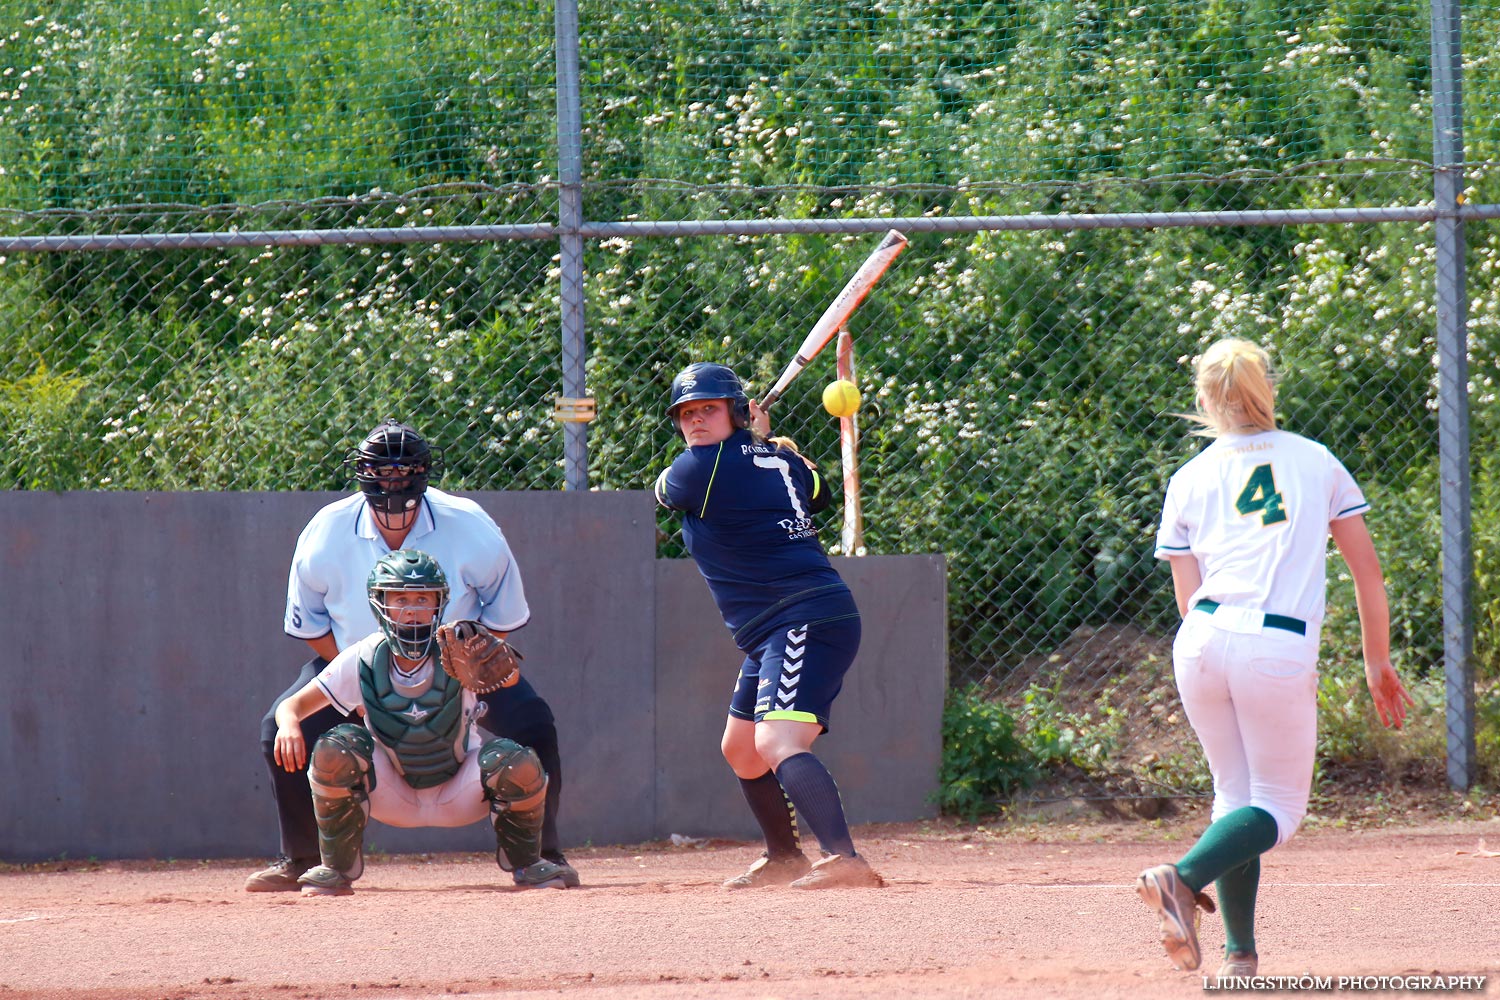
column 1270, row 885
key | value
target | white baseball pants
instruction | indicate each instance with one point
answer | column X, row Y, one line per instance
column 458, row 801
column 1251, row 694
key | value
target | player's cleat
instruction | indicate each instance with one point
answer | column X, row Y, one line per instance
column 1177, row 905
column 542, row 875
column 280, row 876
column 1239, row 964
column 839, row 872
column 569, row 875
column 767, row 870
column 324, row 881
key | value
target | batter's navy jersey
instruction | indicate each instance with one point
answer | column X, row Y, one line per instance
column 747, row 520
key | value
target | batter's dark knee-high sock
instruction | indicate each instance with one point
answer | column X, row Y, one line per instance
column 811, row 789
column 1228, row 843
column 1237, row 890
column 773, row 811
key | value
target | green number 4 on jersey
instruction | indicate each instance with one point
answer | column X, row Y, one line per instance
column 1260, row 496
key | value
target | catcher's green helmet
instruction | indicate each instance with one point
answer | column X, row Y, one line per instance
column 407, row 570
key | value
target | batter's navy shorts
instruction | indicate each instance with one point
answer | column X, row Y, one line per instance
column 796, row 672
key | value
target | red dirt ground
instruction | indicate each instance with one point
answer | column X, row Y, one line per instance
column 967, row 913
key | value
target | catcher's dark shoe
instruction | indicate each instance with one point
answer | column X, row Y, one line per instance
column 1177, row 905
column 321, row 880
column 1239, row 965
column 838, row 871
column 280, row 876
column 541, row 875
column 569, row 876
column 767, row 870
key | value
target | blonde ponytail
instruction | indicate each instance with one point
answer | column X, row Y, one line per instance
column 1236, row 389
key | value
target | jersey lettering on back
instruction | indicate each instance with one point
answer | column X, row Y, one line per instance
column 748, row 523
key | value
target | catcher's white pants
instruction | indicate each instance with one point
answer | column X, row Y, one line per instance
column 1252, row 697
column 458, row 801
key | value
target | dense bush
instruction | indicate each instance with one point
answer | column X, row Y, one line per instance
column 983, row 761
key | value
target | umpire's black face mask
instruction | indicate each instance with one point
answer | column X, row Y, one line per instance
column 394, row 493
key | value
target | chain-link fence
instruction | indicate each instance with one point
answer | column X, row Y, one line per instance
column 238, row 234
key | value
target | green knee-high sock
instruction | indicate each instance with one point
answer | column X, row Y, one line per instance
column 1227, row 843
column 1237, row 904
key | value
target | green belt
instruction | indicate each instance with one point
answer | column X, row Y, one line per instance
column 1272, row 621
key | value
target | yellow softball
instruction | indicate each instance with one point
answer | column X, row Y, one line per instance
column 841, row 398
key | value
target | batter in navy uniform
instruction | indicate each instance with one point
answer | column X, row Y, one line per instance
column 747, row 504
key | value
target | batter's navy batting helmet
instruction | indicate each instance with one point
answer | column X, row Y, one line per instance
column 705, row 380
column 391, row 466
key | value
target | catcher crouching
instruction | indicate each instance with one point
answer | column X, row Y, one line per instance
column 417, row 759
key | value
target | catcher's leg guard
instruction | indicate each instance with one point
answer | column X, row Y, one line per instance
column 543, row 740
column 516, row 787
column 341, row 771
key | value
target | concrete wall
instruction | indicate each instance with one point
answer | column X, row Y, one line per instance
column 145, row 645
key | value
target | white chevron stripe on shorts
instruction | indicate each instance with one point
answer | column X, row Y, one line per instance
column 791, row 668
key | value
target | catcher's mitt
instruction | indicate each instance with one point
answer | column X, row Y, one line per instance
column 475, row 657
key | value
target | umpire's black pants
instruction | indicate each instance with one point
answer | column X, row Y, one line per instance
column 516, row 713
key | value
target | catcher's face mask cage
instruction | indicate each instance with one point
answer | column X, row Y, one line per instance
column 705, row 380
column 392, row 466
column 407, row 571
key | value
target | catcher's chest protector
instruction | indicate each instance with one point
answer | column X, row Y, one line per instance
column 423, row 733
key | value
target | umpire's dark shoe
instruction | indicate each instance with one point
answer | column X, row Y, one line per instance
column 280, row 876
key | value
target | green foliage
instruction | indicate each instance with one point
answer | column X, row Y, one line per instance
column 1351, row 739
column 1059, row 738
column 1487, row 732
column 248, row 101
column 983, row 761
column 40, row 412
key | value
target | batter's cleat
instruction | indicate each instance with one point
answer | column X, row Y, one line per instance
column 280, row 876
column 542, row 875
column 324, row 881
column 1239, row 965
column 1177, row 905
column 840, row 872
column 569, row 876
column 767, row 870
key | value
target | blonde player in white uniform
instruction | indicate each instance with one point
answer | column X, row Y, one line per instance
column 1245, row 527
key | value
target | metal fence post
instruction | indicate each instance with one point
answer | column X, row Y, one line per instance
column 570, row 218
column 1453, row 391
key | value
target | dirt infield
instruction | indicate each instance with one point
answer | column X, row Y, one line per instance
column 967, row 913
